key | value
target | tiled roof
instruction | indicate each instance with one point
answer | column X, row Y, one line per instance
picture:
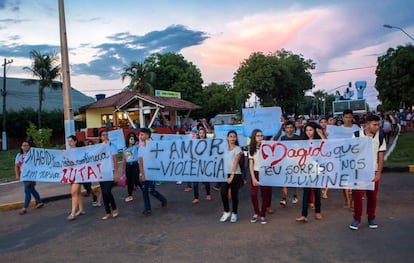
column 125, row 99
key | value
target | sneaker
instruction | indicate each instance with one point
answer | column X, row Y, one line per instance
column 96, row 204
column 234, row 218
column 372, row 224
column 354, row 225
column 253, row 219
column 283, row 202
column 295, row 200
column 263, row 221
column 147, row 212
column 129, row 199
column 39, row 205
column 179, row 182
column 225, row 216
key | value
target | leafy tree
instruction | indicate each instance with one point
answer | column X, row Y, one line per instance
column 395, row 77
column 219, row 98
column 174, row 73
column 41, row 137
column 280, row 78
column 44, row 68
column 141, row 78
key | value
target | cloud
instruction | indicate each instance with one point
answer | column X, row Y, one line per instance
column 14, row 5
column 24, row 50
column 123, row 47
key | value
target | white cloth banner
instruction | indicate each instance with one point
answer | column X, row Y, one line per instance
column 333, row 163
column 84, row 164
column 267, row 119
column 185, row 160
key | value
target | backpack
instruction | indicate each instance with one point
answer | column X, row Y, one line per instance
column 381, row 137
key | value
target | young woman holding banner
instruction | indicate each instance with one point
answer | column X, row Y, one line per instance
column 202, row 134
column 312, row 132
column 256, row 139
column 106, row 186
column 130, row 164
column 75, row 188
column 233, row 180
column 29, row 187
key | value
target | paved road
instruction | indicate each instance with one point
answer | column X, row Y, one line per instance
column 183, row 232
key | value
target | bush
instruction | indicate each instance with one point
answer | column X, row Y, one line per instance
column 41, row 138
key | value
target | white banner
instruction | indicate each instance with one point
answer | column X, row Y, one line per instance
column 333, row 163
column 84, row 164
column 117, row 137
column 169, row 137
column 221, row 131
column 266, row 119
column 185, row 160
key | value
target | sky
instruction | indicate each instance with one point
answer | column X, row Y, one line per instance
column 343, row 38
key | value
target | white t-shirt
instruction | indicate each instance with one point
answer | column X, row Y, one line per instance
column 230, row 157
column 255, row 158
column 376, row 146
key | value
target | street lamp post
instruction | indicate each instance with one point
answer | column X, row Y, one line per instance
column 402, row 30
column 4, row 94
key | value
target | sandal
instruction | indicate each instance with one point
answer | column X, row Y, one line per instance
column 71, row 217
column 80, row 212
column 302, row 219
column 106, row 217
column 115, row 214
column 318, row 216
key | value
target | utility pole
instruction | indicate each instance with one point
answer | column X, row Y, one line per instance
column 66, row 87
column 4, row 94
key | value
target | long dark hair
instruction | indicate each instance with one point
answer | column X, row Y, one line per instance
column 131, row 134
column 314, row 126
column 253, row 142
column 235, row 133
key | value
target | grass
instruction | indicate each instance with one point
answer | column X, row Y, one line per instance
column 403, row 153
column 7, row 159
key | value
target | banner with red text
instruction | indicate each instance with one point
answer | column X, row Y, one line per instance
column 333, row 163
column 84, row 164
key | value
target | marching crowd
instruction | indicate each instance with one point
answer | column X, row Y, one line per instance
column 371, row 125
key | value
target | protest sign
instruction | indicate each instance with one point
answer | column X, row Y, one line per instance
column 185, row 160
column 84, row 164
column 169, row 137
column 117, row 138
column 339, row 132
column 221, row 131
column 266, row 119
column 336, row 163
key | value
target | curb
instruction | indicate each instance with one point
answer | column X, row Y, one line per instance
column 399, row 169
column 18, row 205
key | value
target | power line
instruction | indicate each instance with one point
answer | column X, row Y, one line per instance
column 341, row 70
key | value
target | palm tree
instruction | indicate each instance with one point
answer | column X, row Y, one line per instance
column 319, row 95
column 140, row 78
column 45, row 69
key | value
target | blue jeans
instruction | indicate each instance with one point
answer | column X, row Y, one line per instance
column 148, row 187
column 29, row 190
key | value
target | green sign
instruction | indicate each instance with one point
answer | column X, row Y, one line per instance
column 167, row 93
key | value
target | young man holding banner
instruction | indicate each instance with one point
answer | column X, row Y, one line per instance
column 148, row 187
column 372, row 129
